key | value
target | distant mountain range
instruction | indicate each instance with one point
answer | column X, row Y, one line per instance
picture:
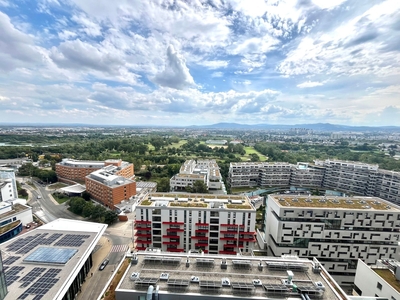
column 234, row 126
column 317, row 127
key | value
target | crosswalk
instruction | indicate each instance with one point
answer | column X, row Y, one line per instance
column 119, row 248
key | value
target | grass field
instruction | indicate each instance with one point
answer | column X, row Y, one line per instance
column 251, row 150
column 57, row 185
column 177, row 145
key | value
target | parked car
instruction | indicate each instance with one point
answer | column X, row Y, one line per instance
column 103, row 264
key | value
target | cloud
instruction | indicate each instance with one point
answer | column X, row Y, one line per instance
column 176, row 74
column 309, row 84
column 214, row 64
column 16, row 48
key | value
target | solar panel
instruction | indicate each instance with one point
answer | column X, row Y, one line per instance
column 31, row 276
column 51, row 255
column 41, row 287
column 172, row 260
column 210, row 284
column 276, row 288
column 10, row 260
column 154, row 259
column 242, row 286
column 309, row 289
column 146, row 281
column 72, row 240
column 12, row 274
column 204, row 261
column 178, row 282
column 241, row 263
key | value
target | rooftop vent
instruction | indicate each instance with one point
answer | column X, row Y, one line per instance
column 194, row 279
column 362, row 201
column 388, row 207
column 322, row 200
column 377, row 203
column 308, row 200
column 225, row 282
column 257, row 282
column 349, row 202
column 134, row 276
column 164, row 276
column 319, row 285
column 281, row 199
column 295, row 200
column 367, row 207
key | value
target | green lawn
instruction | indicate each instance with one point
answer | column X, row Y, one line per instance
column 177, row 145
column 60, row 199
column 57, row 185
column 251, row 150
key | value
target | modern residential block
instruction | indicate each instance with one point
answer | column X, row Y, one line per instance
column 8, row 184
column 338, row 231
column 217, row 224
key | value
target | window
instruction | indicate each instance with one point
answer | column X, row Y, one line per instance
column 379, row 286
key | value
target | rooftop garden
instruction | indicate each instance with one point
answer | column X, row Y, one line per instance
column 145, row 202
column 238, row 206
column 188, row 204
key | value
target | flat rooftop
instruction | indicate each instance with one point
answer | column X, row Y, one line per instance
column 198, row 200
column 333, row 202
column 43, row 263
column 389, row 277
column 244, row 276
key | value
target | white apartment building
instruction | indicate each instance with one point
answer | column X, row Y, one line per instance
column 350, row 177
column 216, row 224
column 380, row 280
column 338, row 231
column 191, row 171
column 8, row 184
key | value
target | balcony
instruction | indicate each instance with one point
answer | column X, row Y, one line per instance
column 202, row 244
column 171, row 243
column 201, row 230
column 140, row 248
column 142, row 222
column 171, row 236
column 247, row 239
column 200, row 237
column 229, row 231
column 228, row 238
column 143, row 242
column 175, row 229
column 143, row 228
column 175, row 250
column 173, row 223
column 229, row 225
column 202, row 224
column 143, row 234
column 227, row 252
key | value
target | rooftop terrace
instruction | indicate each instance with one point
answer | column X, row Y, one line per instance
column 364, row 203
column 198, row 200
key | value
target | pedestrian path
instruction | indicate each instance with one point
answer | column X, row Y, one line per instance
column 119, row 248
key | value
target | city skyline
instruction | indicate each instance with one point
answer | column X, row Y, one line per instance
column 204, row 62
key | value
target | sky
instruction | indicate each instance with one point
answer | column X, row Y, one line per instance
column 199, row 62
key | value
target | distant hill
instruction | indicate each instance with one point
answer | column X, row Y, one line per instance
column 317, row 127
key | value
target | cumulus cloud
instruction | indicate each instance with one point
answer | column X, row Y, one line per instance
column 176, row 74
column 309, row 84
column 16, row 47
column 217, row 74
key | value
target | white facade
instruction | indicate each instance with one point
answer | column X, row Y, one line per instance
column 10, row 213
column 8, row 184
column 191, row 171
column 338, row 231
column 368, row 283
column 179, row 223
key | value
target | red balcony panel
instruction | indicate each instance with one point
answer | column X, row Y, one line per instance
column 143, row 242
column 200, row 237
column 171, row 236
column 240, row 245
column 201, row 230
column 201, row 244
column 226, row 225
column 175, row 250
column 141, row 248
column 227, row 252
column 142, row 234
column 228, row 232
column 228, row 238
column 171, row 243
column 143, row 228
column 247, row 240
column 175, row 229
column 173, row 223
column 247, row 232
column 142, row 222
column 202, row 224
column 229, row 246
column 205, row 251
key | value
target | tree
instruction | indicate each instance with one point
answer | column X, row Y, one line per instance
column 86, row 195
column 110, row 217
column 199, row 187
column 87, row 210
column 163, row 185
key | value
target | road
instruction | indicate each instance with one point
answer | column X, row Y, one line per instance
column 118, row 235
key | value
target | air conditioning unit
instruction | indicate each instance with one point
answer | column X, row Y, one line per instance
column 257, row 282
column 164, row 276
column 194, row 279
column 134, row 276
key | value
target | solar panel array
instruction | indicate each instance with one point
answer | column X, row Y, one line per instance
column 178, row 282
column 24, row 245
column 210, row 284
column 146, row 281
column 276, row 288
column 31, row 276
column 245, row 264
column 242, row 286
column 10, row 260
column 21, row 242
column 72, row 240
column 12, row 274
column 41, row 287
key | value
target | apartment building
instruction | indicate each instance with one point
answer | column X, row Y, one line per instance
column 379, row 280
column 198, row 276
column 350, row 177
column 338, row 231
column 216, row 224
column 71, row 170
column 109, row 188
column 191, row 171
column 8, row 184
